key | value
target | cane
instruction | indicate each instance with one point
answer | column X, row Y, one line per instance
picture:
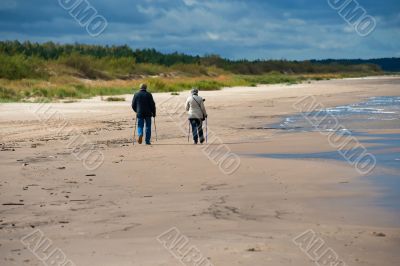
column 134, row 133
column 206, row 130
column 189, row 131
column 155, row 128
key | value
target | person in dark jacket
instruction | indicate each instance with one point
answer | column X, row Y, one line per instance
column 144, row 106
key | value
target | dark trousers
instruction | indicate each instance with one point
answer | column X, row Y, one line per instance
column 197, row 129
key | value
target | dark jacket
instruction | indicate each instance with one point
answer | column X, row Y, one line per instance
column 143, row 104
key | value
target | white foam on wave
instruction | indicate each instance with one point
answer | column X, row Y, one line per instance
column 376, row 108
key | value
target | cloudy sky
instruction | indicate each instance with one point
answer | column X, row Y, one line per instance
column 252, row 29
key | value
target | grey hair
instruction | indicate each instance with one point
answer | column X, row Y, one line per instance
column 195, row 91
column 143, row 86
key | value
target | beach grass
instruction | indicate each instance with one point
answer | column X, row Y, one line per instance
column 67, row 87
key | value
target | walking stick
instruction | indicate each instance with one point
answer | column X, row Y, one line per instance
column 189, row 131
column 206, row 130
column 155, row 127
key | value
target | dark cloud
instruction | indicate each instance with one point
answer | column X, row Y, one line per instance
column 293, row 29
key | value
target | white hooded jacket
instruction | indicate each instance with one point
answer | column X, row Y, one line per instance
column 195, row 107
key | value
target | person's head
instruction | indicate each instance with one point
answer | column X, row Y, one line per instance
column 195, row 91
column 143, row 87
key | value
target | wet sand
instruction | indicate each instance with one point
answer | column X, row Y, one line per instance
column 113, row 215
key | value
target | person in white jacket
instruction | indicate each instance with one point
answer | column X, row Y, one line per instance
column 197, row 114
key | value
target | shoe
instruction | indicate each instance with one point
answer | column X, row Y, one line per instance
column 202, row 141
column 148, row 143
column 140, row 140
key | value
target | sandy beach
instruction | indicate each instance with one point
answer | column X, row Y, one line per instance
column 112, row 206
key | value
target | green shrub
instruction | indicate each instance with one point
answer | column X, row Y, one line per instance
column 103, row 91
column 117, row 67
column 8, row 95
column 157, row 85
column 38, row 92
column 66, row 93
column 85, row 65
column 191, row 69
column 207, row 85
column 20, row 67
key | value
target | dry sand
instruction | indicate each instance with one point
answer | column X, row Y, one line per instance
column 113, row 215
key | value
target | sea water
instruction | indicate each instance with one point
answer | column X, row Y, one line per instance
column 375, row 113
column 364, row 121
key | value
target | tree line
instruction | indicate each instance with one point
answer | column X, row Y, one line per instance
column 124, row 60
